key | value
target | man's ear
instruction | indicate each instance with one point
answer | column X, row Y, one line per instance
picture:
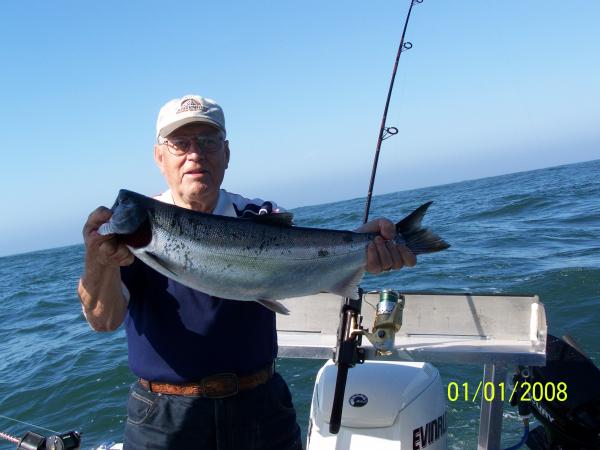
column 227, row 154
column 159, row 158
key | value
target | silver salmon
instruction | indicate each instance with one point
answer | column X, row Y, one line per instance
column 262, row 259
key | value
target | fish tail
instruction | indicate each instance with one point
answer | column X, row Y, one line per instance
column 274, row 306
column 419, row 240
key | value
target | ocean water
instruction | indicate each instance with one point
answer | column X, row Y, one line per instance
column 532, row 232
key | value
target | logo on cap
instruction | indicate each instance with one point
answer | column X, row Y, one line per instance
column 191, row 104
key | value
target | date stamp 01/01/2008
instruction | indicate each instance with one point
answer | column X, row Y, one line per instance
column 523, row 390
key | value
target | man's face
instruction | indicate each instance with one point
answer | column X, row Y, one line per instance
column 194, row 177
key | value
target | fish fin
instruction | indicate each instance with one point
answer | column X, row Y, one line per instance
column 419, row 240
column 349, row 286
column 274, row 306
column 159, row 262
column 412, row 222
column 282, row 219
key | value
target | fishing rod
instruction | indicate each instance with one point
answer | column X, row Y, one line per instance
column 348, row 352
column 384, row 131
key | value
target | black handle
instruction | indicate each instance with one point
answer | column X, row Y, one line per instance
column 338, row 399
column 347, row 354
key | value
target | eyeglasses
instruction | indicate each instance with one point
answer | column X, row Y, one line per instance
column 180, row 145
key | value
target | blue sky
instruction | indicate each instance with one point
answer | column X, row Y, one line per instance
column 489, row 87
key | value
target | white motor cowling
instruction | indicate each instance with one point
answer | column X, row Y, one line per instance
column 387, row 405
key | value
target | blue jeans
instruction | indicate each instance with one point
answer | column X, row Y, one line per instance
column 262, row 418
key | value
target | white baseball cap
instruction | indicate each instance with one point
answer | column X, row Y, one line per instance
column 188, row 109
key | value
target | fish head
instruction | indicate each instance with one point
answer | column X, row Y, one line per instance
column 129, row 220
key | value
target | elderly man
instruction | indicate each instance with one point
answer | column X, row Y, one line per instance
column 205, row 365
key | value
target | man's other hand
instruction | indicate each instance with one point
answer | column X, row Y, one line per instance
column 383, row 253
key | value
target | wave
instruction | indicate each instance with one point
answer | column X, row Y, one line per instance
column 576, row 281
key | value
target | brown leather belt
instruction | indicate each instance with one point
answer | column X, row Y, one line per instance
column 220, row 385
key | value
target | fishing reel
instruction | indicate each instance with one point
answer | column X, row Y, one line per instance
column 66, row 441
column 388, row 321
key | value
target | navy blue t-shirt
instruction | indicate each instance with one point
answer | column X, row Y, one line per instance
column 177, row 334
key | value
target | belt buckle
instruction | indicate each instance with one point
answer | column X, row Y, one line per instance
column 211, row 385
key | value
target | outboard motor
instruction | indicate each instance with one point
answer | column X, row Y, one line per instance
column 564, row 396
column 387, row 405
